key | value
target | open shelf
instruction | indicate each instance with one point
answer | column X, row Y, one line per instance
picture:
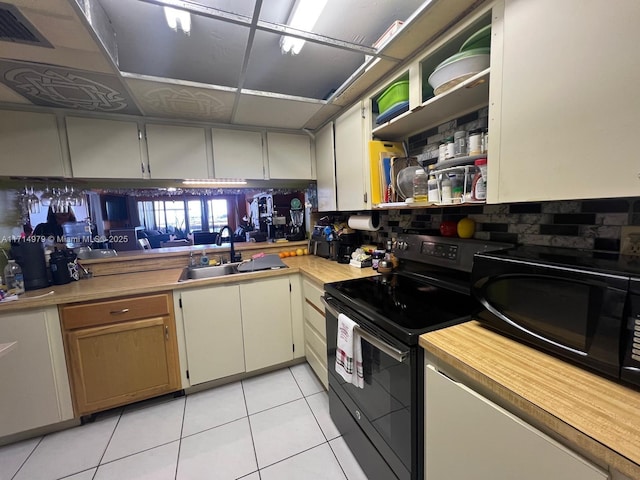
column 468, row 96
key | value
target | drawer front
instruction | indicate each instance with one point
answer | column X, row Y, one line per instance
column 313, row 293
column 315, row 318
column 114, row 311
column 319, row 366
column 315, row 342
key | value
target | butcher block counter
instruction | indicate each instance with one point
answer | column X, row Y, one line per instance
column 109, row 286
column 596, row 416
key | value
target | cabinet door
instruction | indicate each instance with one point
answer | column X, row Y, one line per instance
column 213, row 332
column 564, row 104
column 315, row 347
column 495, row 444
column 237, row 154
column 122, row 363
column 104, row 148
column 326, row 169
column 33, row 375
column 177, row 152
column 30, row 145
column 266, row 323
column 350, row 160
column 289, row 156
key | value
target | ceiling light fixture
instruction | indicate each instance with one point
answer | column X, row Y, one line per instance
column 214, row 182
column 304, row 17
column 177, row 17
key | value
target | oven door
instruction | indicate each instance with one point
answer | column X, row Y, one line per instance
column 387, row 410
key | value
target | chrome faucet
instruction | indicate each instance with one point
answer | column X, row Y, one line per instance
column 232, row 253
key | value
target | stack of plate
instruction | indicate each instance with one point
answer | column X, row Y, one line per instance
column 472, row 58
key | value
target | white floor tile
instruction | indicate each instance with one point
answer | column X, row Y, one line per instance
column 214, row 407
column 319, row 463
column 224, row 452
column 346, row 459
column 270, row 390
column 144, row 427
column 156, row 464
column 69, row 451
column 251, row 476
column 284, row 431
column 86, row 475
column 319, row 404
column 13, row 456
column 306, row 379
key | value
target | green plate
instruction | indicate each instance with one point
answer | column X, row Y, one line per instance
column 480, row 39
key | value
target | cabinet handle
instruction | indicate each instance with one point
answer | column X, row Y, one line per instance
column 119, row 312
column 166, row 332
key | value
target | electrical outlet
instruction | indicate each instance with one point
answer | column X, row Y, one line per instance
column 630, row 241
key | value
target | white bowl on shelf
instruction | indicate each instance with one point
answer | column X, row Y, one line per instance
column 457, row 68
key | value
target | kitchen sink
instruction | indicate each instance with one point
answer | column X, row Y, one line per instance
column 196, row 273
column 87, row 254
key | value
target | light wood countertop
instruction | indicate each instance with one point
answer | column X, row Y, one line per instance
column 109, row 286
column 597, row 415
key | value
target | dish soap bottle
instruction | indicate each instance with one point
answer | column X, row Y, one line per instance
column 14, row 278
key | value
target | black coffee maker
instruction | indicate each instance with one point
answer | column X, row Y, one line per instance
column 347, row 244
column 30, row 256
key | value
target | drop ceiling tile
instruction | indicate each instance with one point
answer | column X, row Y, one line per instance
column 53, row 86
column 265, row 111
column 9, row 96
column 212, row 53
column 163, row 99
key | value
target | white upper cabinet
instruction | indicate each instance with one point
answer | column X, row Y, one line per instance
column 352, row 173
column 30, row 145
column 564, row 101
column 104, row 148
column 237, row 154
column 289, row 156
column 177, row 152
column 326, row 168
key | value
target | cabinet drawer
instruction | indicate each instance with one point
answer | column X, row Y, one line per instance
column 319, row 366
column 114, row 311
column 313, row 293
column 315, row 342
column 315, row 318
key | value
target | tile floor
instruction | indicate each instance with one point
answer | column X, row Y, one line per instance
column 272, row 427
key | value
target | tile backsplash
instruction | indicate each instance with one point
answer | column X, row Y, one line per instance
column 582, row 224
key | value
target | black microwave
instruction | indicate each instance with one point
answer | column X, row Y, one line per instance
column 567, row 302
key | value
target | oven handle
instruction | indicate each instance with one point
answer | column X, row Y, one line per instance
column 396, row 354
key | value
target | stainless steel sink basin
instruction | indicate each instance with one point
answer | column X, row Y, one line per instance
column 87, row 254
column 196, row 273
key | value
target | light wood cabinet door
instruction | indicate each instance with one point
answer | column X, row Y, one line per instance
column 496, row 445
column 30, row 145
column 177, row 152
column 289, row 156
column 266, row 322
column 326, row 169
column 121, row 362
column 237, row 154
column 213, row 332
column 564, row 104
column 104, row 148
column 351, row 187
column 33, row 375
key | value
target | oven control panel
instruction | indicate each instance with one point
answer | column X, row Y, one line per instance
column 439, row 250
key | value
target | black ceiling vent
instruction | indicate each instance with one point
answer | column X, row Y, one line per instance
column 14, row 27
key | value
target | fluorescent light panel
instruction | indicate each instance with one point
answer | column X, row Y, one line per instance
column 214, row 182
column 304, row 17
column 177, row 17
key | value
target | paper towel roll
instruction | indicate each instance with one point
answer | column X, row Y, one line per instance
column 368, row 223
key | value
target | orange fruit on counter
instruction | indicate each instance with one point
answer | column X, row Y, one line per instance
column 305, row 251
column 283, row 254
column 299, row 252
column 292, row 253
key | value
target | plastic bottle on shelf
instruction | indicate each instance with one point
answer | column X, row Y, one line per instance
column 457, row 185
column 479, row 187
column 432, row 186
column 420, row 185
column 445, row 188
column 14, row 278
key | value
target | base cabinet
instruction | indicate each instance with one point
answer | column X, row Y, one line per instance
column 213, row 332
column 120, row 351
column 468, row 436
column 33, row 375
column 315, row 341
column 266, row 322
